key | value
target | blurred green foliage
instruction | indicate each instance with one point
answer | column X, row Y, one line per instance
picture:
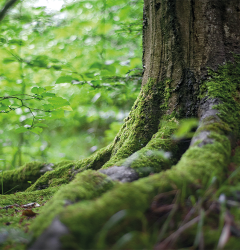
column 186, row 128
column 67, row 78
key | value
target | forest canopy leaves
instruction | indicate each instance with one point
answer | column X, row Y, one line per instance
column 64, row 79
column 84, row 58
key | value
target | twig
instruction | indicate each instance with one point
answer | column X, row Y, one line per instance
column 172, row 238
column 5, row 9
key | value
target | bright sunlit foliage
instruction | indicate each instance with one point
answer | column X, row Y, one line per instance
column 69, row 73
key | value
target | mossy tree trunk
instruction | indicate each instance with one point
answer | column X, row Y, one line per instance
column 181, row 41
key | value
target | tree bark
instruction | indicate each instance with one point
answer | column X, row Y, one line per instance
column 181, row 39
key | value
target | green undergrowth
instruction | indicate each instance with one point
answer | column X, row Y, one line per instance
column 14, row 226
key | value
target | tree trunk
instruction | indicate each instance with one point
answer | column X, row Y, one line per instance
column 182, row 40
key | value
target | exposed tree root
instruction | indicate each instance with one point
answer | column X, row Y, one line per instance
column 17, row 180
column 95, row 211
column 85, row 219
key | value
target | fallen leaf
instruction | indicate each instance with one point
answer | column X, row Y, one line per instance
column 29, row 213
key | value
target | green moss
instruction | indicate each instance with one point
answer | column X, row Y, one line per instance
column 95, row 161
column 86, row 219
column 83, row 221
column 19, row 179
column 20, row 198
column 87, row 185
column 236, row 156
column 63, row 163
column 200, row 163
column 166, row 93
column 65, row 171
column 152, row 158
column 12, row 223
column 89, row 201
column 233, row 174
column 233, row 244
column 60, row 175
column 142, row 122
column 211, row 124
column 224, row 85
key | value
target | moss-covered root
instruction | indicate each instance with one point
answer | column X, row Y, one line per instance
column 142, row 122
column 21, row 198
column 21, row 178
column 64, row 172
column 87, row 185
column 157, row 155
column 85, row 220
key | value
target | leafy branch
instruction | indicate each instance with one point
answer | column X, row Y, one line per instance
column 50, row 103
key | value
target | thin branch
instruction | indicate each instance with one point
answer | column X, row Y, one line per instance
column 5, row 9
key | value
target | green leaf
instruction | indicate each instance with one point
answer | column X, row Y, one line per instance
column 67, row 108
column 48, row 94
column 57, row 114
column 21, row 130
column 41, row 125
column 37, row 130
column 64, row 79
column 89, row 74
column 96, row 65
column 186, row 128
column 58, row 102
column 104, row 73
column 28, row 121
column 6, row 102
column 96, row 82
column 9, row 60
column 2, row 40
column 40, row 61
column 37, row 90
column 4, row 108
column 47, row 88
column 47, row 107
column 57, row 67
column 110, row 68
column 16, row 41
column 54, row 60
